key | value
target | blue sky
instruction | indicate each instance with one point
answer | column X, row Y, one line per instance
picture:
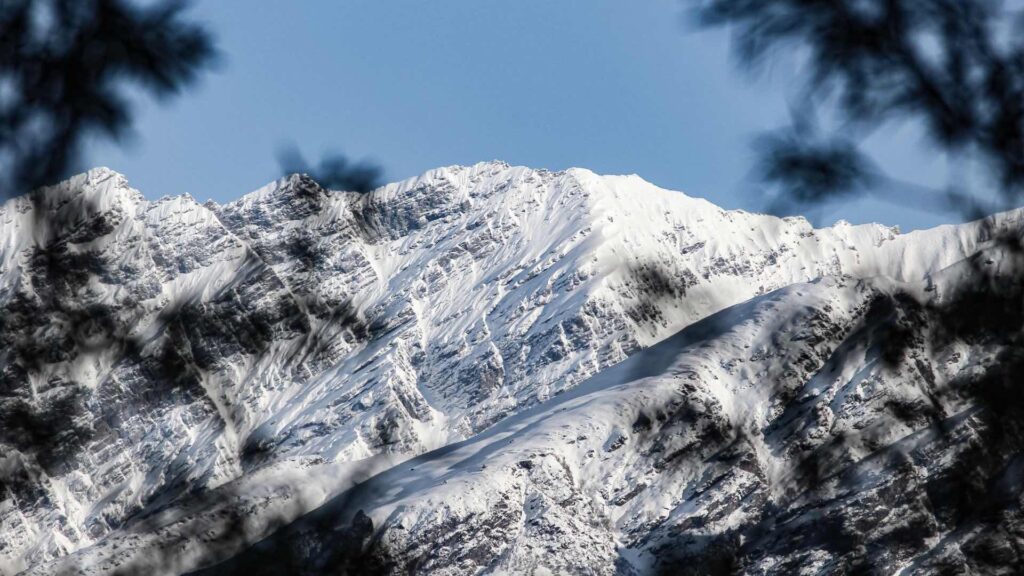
column 614, row 86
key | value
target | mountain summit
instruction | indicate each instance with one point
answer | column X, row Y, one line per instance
column 590, row 374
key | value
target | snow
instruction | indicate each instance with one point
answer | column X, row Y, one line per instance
column 487, row 313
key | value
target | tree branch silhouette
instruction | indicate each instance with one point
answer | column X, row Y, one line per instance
column 954, row 66
column 65, row 67
column 334, row 172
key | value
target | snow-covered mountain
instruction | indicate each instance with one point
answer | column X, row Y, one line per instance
column 601, row 376
column 794, row 433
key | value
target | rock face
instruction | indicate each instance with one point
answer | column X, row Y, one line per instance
column 786, row 435
column 177, row 379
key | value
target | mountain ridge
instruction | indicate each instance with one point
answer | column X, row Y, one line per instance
column 199, row 345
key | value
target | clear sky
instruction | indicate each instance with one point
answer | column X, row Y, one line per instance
column 611, row 85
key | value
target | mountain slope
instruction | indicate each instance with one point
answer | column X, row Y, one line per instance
column 790, row 434
column 158, row 351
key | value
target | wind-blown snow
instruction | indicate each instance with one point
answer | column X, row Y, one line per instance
column 198, row 347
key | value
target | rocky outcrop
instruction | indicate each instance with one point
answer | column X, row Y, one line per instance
column 165, row 364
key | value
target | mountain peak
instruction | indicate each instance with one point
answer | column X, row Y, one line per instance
column 297, row 331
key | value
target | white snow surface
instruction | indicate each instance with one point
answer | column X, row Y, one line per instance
column 277, row 343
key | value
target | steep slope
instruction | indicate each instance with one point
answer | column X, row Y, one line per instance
column 798, row 433
column 122, row 322
column 498, row 287
column 154, row 352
